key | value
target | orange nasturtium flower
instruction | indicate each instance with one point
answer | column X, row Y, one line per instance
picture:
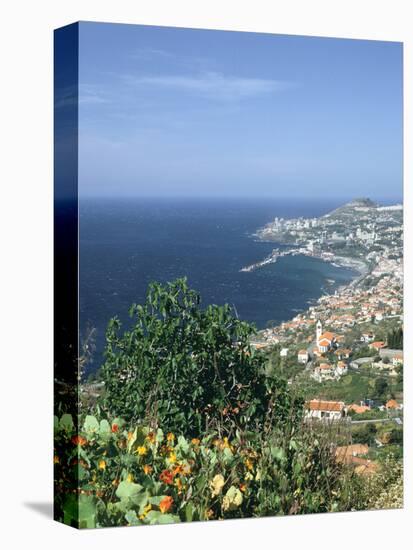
column 115, row 428
column 167, row 477
column 166, row 504
column 151, row 437
column 170, row 437
column 102, row 465
column 78, row 440
column 147, row 468
column 195, row 441
column 178, row 470
column 249, row 463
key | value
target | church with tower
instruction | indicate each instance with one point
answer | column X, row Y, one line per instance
column 325, row 340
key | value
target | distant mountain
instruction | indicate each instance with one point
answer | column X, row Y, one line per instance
column 350, row 208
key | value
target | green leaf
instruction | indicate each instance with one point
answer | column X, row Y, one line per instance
column 277, row 453
column 128, row 489
column 132, row 518
column 227, row 455
column 157, row 518
column 234, row 498
column 104, row 429
column 80, row 511
column 293, row 445
column 66, row 423
column 183, row 444
column 91, row 425
column 159, row 436
column 132, row 440
column 189, row 512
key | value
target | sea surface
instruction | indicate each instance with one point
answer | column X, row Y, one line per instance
column 126, row 244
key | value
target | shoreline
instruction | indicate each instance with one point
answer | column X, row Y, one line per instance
column 360, row 267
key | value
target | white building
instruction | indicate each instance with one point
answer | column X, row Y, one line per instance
column 302, row 356
column 284, row 352
column 325, row 410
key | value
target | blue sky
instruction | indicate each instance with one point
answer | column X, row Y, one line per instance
column 184, row 112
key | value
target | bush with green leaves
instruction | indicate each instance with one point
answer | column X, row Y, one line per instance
column 188, row 368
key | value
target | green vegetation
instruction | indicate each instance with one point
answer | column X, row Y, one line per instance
column 365, row 433
column 188, row 369
column 193, row 424
column 132, row 475
column 395, row 339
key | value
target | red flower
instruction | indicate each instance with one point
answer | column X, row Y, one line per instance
column 166, row 504
column 78, row 440
column 167, row 477
column 115, row 428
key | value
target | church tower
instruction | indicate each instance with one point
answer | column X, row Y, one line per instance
column 319, row 330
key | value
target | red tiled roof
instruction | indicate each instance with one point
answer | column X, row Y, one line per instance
column 324, row 343
column 358, row 409
column 316, row 405
column 327, row 336
column 377, row 345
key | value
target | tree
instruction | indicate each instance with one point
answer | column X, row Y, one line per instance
column 365, row 434
column 395, row 338
column 381, row 388
column 186, row 368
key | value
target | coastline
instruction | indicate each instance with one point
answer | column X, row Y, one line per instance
column 361, row 267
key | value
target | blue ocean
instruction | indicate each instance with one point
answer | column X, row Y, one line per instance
column 127, row 243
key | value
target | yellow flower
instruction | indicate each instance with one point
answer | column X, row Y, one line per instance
column 225, row 443
column 195, row 441
column 172, row 458
column 222, row 444
column 102, row 465
column 141, row 451
column 249, row 463
column 147, row 509
column 216, row 484
column 170, row 437
column 147, row 469
column 129, row 478
column 178, row 484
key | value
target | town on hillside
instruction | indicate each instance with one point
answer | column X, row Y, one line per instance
column 345, row 352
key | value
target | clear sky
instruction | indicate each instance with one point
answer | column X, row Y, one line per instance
column 167, row 111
